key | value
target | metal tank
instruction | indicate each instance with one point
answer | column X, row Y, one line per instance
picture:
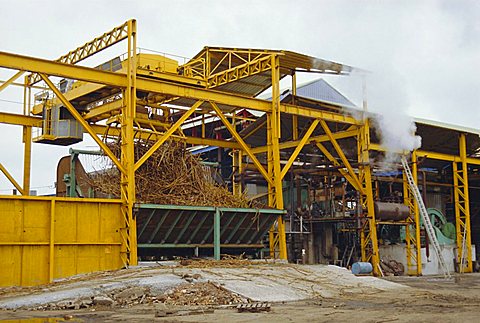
column 391, row 211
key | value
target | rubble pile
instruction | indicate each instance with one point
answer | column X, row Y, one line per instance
column 192, row 293
column 202, row 293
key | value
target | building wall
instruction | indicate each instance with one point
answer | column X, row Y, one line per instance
column 46, row 238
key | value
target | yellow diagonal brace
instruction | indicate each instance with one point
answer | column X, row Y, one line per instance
column 335, row 162
column 167, row 134
column 299, row 148
column 11, row 179
column 340, row 153
column 11, row 80
column 242, row 143
column 84, row 124
column 350, row 132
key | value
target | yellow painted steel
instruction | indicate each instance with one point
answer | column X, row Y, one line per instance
column 196, row 83
column 43, row 239
column 340, row 153
column 342, row 171
column 242, row 143
column 412, row 236
column 462, row 209
column 275, row 197
column 80, row 119
column 167, row 134
column 299, row 148
column 11, row 80
column 27, row 158
column 11, row 179
column 98, row 44
column 294, row 143
column 368, row 232
column 127, row 158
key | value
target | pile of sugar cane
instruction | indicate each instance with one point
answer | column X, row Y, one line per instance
column 172, row 175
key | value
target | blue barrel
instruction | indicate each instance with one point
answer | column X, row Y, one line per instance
column 361, row 268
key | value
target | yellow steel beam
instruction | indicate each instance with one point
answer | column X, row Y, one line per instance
column 242, row 143
column 318, row 114
column 37, row 65
column 167, row 134
column 103, row 109
column 98, row 44
column 11, row 179
column 11, row 80
column 19, row 119
column 299, row 148
column 239, row 72
column 322, row 138
column 47, row 67
column 434, row 155
column 82, row 122
column 82, row 90
column 340, row 153
column 27, row 158
column 148, row 135
column 342, row 171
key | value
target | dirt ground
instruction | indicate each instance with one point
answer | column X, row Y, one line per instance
column 428, row 299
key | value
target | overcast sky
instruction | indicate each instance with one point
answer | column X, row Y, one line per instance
column 423, row 55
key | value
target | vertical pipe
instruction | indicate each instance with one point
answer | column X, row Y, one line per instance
column 73, row 180
column 51, row 242
column 216, row 234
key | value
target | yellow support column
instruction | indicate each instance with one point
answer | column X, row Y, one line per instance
column 368, row 233
column 236, row 185
column 129, row 234
column 277, row 235
column 27, row 158
column 462, row 209
column 412, row 236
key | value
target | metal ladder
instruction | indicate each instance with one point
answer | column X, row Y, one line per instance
column 426, row 219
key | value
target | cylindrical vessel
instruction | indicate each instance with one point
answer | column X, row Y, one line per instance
column 391, row 211
column 361, row 268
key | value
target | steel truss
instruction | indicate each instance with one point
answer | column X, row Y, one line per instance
column 412, row 229
column 207, row 99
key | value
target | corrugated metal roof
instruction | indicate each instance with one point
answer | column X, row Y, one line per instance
column 320, row 90
column 288, row 60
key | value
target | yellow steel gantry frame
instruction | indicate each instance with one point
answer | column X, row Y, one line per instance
column 368, row 232
column 462, row 209
column 130, row 82
column 412, row 229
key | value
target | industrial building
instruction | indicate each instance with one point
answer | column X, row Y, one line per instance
column 317, row 163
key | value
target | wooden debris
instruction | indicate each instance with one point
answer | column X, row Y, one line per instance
column 197, row 294
column 254, row 307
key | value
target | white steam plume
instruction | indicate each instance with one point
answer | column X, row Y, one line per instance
column 388, row 102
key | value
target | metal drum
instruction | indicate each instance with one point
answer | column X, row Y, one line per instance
column 391, row 211
column 361, row 268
